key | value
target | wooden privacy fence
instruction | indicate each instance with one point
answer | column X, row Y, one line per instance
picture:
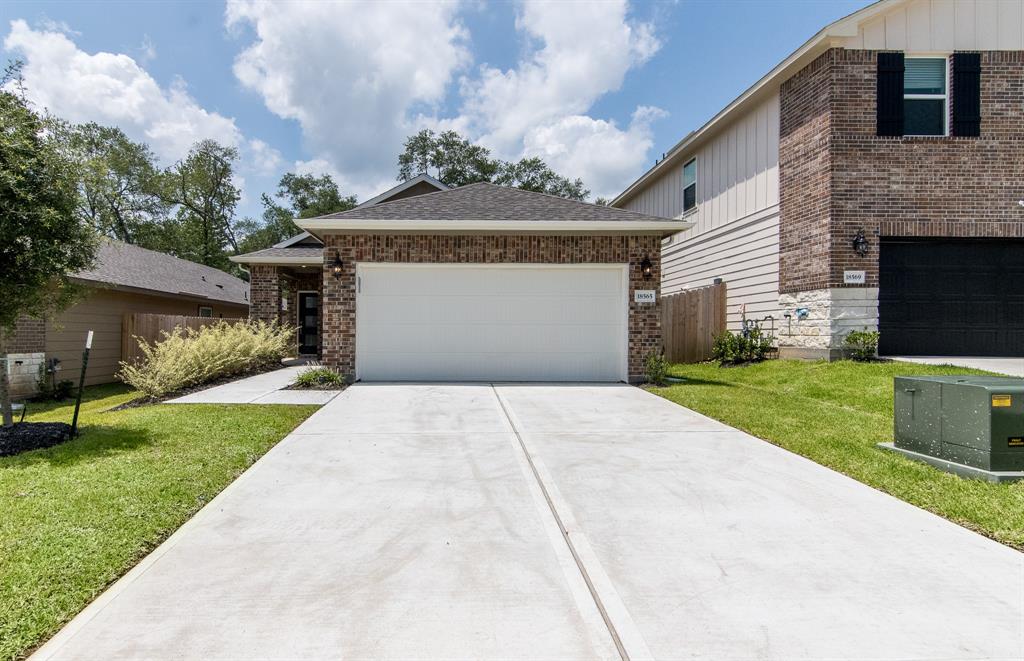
column 689, row 322
column 151, row 328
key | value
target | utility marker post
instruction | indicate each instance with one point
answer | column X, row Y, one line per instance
column 81, row 383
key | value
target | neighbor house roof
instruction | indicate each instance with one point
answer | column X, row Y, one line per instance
column 128, row 266
column 489, row 207
column 831, row 35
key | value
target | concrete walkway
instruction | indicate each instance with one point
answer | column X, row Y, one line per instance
column 266, row 388
column 555, row 522
column 1008, row 366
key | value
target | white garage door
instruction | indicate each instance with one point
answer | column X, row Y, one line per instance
column 475, row 322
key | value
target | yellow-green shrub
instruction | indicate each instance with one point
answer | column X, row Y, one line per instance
column 191, row 357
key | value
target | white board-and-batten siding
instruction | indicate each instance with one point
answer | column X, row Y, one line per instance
column 944, row 26
column 736, row 222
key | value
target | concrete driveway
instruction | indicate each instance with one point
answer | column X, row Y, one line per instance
column 552, row 522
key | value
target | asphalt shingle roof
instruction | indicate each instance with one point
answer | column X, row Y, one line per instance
column 299, row 252
column 125, row 265
column 486, row 201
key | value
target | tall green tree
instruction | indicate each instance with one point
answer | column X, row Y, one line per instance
column 119, row 185
column 44, row 240
column 297, row 196
column 456, row 161
column 533, row 174
column 203, row 193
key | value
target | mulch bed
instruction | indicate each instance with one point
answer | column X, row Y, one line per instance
column 26, row 436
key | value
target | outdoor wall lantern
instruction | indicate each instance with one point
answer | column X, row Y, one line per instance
column 860, row 243
column 646, row 268
column 337, row 267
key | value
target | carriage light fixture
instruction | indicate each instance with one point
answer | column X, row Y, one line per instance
column 337, row 267
column 646, row 268
column 860, row 243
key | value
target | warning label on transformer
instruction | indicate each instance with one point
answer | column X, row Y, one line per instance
column 1001, row 400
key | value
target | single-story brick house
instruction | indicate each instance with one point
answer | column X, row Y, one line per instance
column 477, row 283
column 125, row 279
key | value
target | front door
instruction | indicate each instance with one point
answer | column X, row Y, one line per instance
column 309, row 332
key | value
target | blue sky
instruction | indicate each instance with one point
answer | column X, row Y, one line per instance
column 598, row 90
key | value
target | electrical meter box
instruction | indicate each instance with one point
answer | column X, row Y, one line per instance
column 970, row 425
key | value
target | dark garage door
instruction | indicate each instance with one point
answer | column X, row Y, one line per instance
column 951, row 297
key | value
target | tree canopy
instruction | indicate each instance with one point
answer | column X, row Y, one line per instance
column 44, row 240
column 297, row 196
column 456, row 162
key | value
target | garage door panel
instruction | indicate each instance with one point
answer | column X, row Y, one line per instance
column 464, row 323
column 951, row 297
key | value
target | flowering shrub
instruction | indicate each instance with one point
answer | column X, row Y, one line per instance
column 191, row 357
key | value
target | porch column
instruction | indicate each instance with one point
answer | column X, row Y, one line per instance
column 264, row 293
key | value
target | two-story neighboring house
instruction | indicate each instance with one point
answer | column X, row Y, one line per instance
column 874, row 179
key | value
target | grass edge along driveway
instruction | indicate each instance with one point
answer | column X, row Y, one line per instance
column 76, row 517
column 835, row 414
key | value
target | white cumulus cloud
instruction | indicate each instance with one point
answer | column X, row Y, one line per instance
column 112, row 89
column 350, row 73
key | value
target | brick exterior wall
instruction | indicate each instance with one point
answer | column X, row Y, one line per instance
column 264, row 292
column 338, row 301
column 29, row 336
column 837, row 176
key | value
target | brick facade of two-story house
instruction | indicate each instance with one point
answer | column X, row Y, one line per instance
column 823, row 151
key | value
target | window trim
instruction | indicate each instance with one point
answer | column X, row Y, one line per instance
column 205, row 316
column 694, row 184
column 946, row 107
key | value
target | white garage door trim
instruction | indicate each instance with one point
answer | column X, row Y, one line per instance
column 366, row 269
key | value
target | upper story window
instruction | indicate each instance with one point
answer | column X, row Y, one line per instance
column 915, row 95
column 925, row 96
column 690, row 185
column 205, row 311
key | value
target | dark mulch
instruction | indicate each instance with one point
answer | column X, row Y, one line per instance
column 26, row 436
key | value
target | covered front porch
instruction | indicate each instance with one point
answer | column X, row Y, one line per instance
column 288, row 289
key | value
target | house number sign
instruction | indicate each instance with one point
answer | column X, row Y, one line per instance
column 854, row 277
column 644, row 296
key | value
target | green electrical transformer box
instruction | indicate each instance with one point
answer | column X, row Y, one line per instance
column 973, row 422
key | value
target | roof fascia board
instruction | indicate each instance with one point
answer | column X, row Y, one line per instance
column 826, row 38
column 297, row 261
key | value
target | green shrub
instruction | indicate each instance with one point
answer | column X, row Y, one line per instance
column 318, row 377
column 656, row 368
column 49, row 389
column 861, row 345
column 187, row 358
column 732, row 349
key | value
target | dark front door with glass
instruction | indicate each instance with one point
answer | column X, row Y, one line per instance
column 309, row 333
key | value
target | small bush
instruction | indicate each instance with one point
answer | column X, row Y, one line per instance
column 733, row 349
column 318, row 377
column 187, row 358
column 861, row 345
column 656, row 368
column 49, row 389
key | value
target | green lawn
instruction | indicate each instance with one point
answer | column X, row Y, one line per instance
column 76, row 517
column 835, row 414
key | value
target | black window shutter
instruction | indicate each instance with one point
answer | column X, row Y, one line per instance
column 890, row 94
column 967, row 94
